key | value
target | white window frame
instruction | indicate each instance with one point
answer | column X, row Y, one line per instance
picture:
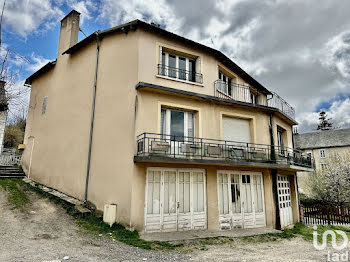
column 167, row 120
column 322, row 153
column 197, row 63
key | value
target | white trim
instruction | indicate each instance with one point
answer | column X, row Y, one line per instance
column 161, row 198
column 180, row 80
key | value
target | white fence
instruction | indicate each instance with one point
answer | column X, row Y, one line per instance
column 10, row 159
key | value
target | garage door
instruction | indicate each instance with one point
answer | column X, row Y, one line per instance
column 175, row 200
column 284, row 200
column 241, row 200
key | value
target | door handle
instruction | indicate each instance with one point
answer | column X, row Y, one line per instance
column 178, row 204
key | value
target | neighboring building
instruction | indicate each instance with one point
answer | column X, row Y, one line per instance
column 182, row 137
column 321, row 145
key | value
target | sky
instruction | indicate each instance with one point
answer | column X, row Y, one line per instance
column 296, row 48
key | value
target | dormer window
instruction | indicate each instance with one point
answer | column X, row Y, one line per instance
column 179, row 66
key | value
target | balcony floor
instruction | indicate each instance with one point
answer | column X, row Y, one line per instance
column 221, row 162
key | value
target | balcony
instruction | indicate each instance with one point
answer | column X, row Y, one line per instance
column 180, row 74
column 243, row 93
column 203, row 150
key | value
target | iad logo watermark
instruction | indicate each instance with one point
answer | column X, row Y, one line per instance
column 332, row 256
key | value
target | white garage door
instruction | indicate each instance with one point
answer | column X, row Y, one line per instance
column 241, row 200
column 175, row 200
column 284, row 200
column 236, row 129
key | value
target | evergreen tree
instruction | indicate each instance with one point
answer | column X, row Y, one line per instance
column 324, row 123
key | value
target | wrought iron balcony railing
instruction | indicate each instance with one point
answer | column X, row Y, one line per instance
column 181, row 74
column 244, row 93
column 194, row 148
column 278, row 102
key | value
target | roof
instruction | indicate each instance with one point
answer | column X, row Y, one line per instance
column 41, row 71
column 133, row 25
column 322, row 139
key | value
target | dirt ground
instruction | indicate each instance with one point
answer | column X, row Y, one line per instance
column 44, row 232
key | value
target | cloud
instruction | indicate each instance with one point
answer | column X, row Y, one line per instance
column 36, row 62
column 158, row 11
column 339, row 112
column 24, row 17
column 86, row 8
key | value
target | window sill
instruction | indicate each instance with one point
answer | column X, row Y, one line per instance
column 179, row 80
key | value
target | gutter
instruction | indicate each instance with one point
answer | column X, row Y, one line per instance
column 98, row 39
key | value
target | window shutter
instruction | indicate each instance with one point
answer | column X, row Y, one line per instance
column 236, row 129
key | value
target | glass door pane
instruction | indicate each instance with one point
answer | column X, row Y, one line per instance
column 235, row 194
column 184, row 192
column 182, row 68
column 153, row 192
column 177, row 125
column 223, row 194
column 169, row 192
column 172, row 66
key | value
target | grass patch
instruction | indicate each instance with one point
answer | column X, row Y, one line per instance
column 16, row 192
column 299, row 230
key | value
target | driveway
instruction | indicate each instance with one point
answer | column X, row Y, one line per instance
column 45, row 232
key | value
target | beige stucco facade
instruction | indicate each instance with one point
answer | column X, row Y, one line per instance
column 319, row 161
column 57, row 141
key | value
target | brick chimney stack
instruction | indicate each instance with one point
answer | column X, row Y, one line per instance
column 68, row 32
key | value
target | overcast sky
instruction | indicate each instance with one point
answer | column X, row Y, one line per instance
column 297, row 48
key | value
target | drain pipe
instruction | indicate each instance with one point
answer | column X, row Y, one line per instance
column 92, row 115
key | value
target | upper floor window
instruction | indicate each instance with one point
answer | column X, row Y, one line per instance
column 323, row 166
column 179, row 67
column 322, row 153
column 228, row 87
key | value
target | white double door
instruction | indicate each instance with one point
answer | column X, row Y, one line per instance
column 175, row 200
column 284, row 200
column 241, row 200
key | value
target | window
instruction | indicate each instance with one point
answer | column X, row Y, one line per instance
column 323, row 165
column 178, row 124
column 280, row 133
column 179, row 67
column 225, row 84
column 322, row 153
column 254, row 98
column 43, row 108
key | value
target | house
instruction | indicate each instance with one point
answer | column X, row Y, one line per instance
column 321, row 145
column 173, row 132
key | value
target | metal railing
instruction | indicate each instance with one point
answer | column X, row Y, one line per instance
column 237, row 92
column 10, row 159
column 181, row 74
column 278, row 102
column 152, row 144
column 244, row 94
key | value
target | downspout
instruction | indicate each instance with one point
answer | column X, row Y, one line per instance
column 274, row 175
column 296, row 184
column 92, row 116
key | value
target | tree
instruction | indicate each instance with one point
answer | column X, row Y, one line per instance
column 324, row 123
column 11, row 95
column 14, row 132
column 332, row 182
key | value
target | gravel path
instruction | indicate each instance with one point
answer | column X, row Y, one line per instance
column 44, row 232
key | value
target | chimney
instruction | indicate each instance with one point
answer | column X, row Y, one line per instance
column 68, row 32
